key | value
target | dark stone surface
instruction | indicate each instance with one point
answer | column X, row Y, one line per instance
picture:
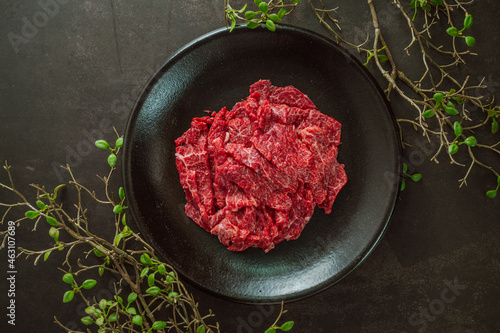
column 77, row 74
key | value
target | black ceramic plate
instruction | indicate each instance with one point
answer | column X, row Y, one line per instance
column 216, row 70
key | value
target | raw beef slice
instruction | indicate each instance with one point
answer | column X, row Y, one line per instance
column 254, row 174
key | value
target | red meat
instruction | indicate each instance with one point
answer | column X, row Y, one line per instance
column 254, row 174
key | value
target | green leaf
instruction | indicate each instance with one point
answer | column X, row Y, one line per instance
column 40, row 204
column 131, row 297
column 494, row 126
column 153, row 291
column 403, row 185
column 137, row 319
column 498, row 180
column 68, row 296
column 55, row 191
column 87, row 320
column 87, row 284
column 97, row 253
column 119, row 299
column 102, row 144
column 99, row 321
column 282, row 12
column 200, row 329
column 170, row 277
column 112, row 317
column 470, row 141
column 162, row 270
column 101, row 270
column 54, row 233
column 425, row 6
column 438, row 97
column 121, row 193
column 112, row 160
column 429, row 113
column 457, row 128
column 270, row 25
column 68, row 278
column 436, row 2
column 452, row 31
column 250, row 15
column 146, row 259
column 52, row 221
column 491, row 194
column 158, row 325
column 452, row 149
column 287, row 326
column 118, row 209
column 103, row 303
column 413, row 4
column 257, row 2
column 252, row 25
column 151, row 279
column 144, row 271
column 172, row 296
column 382, row 58
column 270, row 330
column 274, row 18
column 242, row 9
column 416, row 177
column 405, row 168
column 263, row 7
column 46, row 255
column 31, row 214
column 451, row 111
column 468, row 21
column 132, row 311
column 118, row 238
column 90, row 310
column 233, row 24
column 470, row 41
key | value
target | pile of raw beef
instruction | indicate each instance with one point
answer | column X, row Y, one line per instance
column 254, row 174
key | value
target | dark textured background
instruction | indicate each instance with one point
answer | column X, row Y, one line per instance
column 78, row 74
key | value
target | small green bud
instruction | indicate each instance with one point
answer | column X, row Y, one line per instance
column 68, row 296
column 119, row 142
column 438, row 97
column 112, row 160
column 31, row 214
column 137, row 320
column 102, row 144
column 87, row 284
column 452, row 149
column 68, row 278
column 158, row 325
column 270, row 25
column 470, row 41
column 468, row 21
column 452, row 31
column 263, row 7
column 287, row 326
column 153, row 291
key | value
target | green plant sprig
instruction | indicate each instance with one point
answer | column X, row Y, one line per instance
column 438, row 97
column 264, row 15
column 452, row 31
column 156, row 299
column 414, row 177
column 425, row 5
